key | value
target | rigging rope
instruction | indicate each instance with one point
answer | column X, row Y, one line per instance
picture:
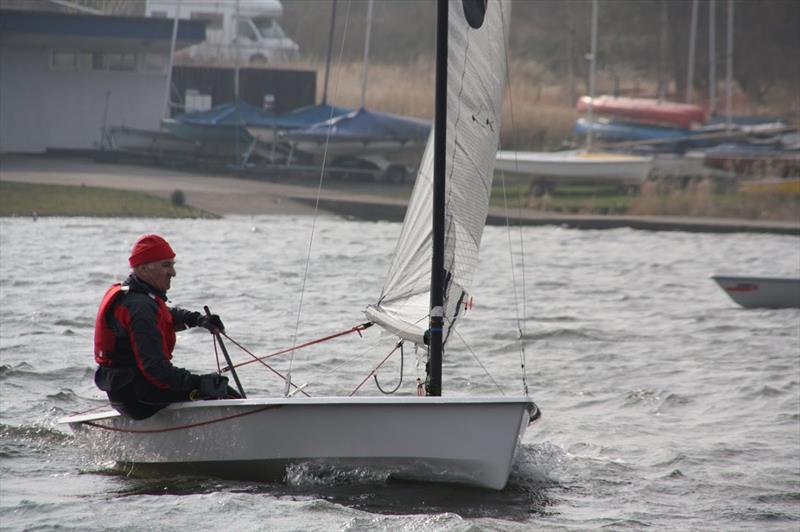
column 273, row 370
column 316, row 211
column 520, row 321
column 357, row 329
column 375, row 375
column 478, row 360
column 371, row 373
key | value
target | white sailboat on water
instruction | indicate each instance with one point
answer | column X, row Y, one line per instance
column 466, row 440
column 753, row 291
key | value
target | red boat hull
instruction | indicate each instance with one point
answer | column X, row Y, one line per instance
column 645, row 110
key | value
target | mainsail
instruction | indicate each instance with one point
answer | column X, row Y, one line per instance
column 475, row 84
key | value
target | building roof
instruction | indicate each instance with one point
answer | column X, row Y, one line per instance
column 19, row 27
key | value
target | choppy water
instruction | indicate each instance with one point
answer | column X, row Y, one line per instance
column 665, row 405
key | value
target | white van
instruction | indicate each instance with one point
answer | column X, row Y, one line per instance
column 247, row 28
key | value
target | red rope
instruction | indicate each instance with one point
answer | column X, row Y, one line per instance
column 357, row 328
column 180, row 427
column 256, row 359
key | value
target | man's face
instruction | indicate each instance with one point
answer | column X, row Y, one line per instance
column 158, row 274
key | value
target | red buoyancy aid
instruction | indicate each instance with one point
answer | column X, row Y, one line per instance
column 105, row 338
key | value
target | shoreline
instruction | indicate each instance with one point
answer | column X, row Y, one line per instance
column 223, row 194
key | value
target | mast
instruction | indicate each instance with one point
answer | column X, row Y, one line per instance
column 692, row 40
column 729, row 70
column 592, row 69
column 712, row 59
column 662, row 53
column 328, row 58
column 433, row 385
column 366, row 54
column 165, row 111
column 236, row 57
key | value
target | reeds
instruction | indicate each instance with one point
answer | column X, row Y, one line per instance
column 542, row 113
column 703, row 198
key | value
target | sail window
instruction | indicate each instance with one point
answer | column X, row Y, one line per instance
column 475, row 12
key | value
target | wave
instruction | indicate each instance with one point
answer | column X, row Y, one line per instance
column 39, row 434
column 674, row 400
column 378, row 491
column 569, row 334
column 637, row 397
column 27, row 371
column 79, row 324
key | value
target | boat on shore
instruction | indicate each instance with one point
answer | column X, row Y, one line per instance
column 761, row 292
column 268, row 129
column 577, row 165
column 646, row 110
column 754, row 160
column 382, row 145
column 224, row 123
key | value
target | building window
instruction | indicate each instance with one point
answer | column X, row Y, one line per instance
column 85, row 61
column 119, row 62
column 97, row 61
column 63, row 60
column 154, row 63
column 195, row 101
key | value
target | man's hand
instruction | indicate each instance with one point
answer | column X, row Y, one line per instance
column 211, row 386
column 211, row 322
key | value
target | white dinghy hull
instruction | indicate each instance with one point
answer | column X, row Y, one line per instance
column 761, row 292
column 577, row 165
column 470, row 441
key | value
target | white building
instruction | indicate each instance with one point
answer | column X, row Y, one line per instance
column 65, row 79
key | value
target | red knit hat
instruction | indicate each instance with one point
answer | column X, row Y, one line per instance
column 150, row 248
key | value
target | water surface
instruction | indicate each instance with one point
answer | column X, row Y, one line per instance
column 665, row 404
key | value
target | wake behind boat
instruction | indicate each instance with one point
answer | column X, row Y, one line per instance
column 761, row 292
column 467, row 440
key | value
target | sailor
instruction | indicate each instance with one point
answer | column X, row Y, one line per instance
column 135, row 334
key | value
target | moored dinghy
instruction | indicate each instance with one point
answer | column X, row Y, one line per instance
column 577, row 165
column 761, row 292
column 468, row 440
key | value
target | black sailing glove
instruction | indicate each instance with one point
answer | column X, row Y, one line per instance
column 212, row 322
column 211, row 386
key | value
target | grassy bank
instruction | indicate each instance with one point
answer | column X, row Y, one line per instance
column 24, row 199
column 700, row 199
